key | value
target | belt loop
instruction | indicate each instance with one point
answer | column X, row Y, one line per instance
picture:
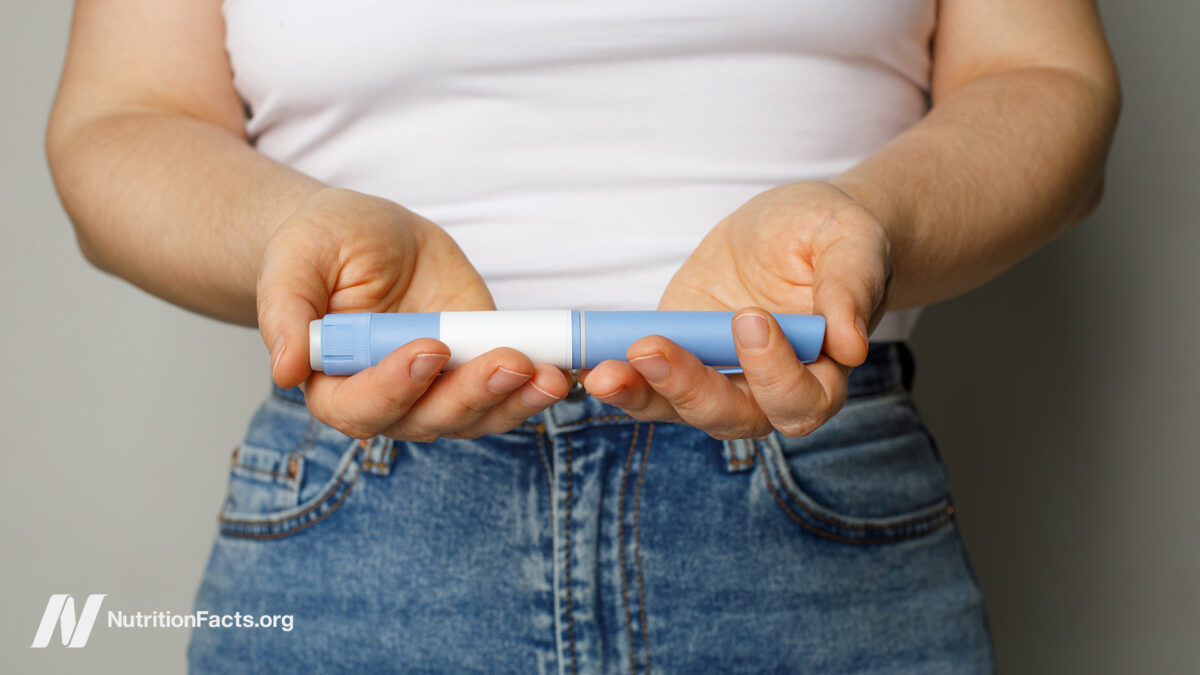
column 380, row 455
column 739, row 454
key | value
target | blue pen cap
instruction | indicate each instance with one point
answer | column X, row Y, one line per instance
column 345, row 343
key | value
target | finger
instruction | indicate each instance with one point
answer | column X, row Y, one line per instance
column 462, row 397
column 619, row 384
column 547, row 386
column 795, row 398
column 703, row 397
column 849, row 283
column 291, row 292
column 369, row 401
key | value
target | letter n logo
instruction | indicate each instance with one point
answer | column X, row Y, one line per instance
column 60, row 609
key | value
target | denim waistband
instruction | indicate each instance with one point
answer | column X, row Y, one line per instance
column 889, row 367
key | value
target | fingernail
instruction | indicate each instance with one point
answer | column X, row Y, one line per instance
column 504, row 381
column 860, row 324
column 654, row 367
column 278, row 349
column 751, row 331
column 536, row 397
column 425, row 366
column 617, row 397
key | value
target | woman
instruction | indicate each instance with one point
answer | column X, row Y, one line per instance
column 855, row 160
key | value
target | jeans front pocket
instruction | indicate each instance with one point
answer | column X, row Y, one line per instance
column 289, row 473
column 870, row 475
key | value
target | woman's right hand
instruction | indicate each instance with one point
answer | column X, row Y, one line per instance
column 344, row 251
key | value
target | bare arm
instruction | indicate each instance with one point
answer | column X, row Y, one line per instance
column 147, row 146
column 1025, row 100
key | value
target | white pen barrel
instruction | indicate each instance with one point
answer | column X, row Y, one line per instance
column 542, row 335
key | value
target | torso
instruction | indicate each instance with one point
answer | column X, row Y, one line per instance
column 578, row 151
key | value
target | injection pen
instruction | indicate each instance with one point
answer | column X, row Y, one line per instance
column 344, row 344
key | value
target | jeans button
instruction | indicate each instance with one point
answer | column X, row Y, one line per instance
column 577, row 393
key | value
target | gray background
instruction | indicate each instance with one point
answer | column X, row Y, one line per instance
column 1064, row 397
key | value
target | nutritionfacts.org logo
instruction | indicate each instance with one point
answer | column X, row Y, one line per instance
column 76, row 628
column 60, row 611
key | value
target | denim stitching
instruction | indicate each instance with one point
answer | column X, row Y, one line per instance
column 312, row 442
column 282, row 477
column 776, row 460
column 569, row 575
column 323, row 501
column 303, row 526
column 621, row 544
column 329, row 493
column 308, row 431
column 948, row 517
column 598, row 418
column 637, row 547
column 947, row 510
column 255, row 469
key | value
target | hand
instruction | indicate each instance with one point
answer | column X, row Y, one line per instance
column 343, row 251
column 804, row 248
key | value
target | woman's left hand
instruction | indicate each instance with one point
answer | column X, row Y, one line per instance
column 803, row 248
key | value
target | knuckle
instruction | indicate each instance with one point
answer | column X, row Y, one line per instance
column 420, row 435
column 645, row 415
column 495, row 427
column 353, row 430
column 774, row 381
column 394, row 400
column 465, row 434
column 797, row 428
column 735, row 430
column 691, row 398
column 763, row 429
column 719, row 433
column 660, row 411
column 467, row 409
column 316, row 408
column 724, row 434
column 506, row 421
column 338, row 421
column 757, row 428
column 835, row 402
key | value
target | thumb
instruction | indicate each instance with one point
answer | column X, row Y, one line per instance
column 849, row 284
column 291, row 293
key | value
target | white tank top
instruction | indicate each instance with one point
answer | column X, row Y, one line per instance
column 579, row 150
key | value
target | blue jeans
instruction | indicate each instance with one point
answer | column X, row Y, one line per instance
column 585, row 541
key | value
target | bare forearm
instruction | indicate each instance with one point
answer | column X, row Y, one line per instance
column 997, row 169
column 175, row 205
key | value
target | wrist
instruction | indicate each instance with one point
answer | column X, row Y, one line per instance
column 877, row 202
column 894, row 221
